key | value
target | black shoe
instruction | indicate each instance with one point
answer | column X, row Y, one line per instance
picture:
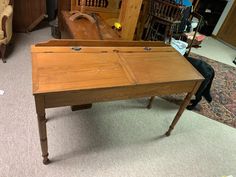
column 208, row 98
column 194, row 107
column 190, row 107
column 234, row 61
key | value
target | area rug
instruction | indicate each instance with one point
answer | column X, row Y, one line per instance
column 223, row 91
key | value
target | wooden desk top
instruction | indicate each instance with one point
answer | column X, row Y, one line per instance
column 58, row 67
column 85, row 30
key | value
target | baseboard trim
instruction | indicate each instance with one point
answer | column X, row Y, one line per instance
column 229, row 45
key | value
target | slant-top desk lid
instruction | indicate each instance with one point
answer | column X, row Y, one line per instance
column 73, row 65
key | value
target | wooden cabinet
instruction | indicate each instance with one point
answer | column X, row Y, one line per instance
column 28, row 14
column 228, row 29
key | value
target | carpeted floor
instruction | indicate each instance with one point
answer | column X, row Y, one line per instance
column 223, row 106
column 113, row 139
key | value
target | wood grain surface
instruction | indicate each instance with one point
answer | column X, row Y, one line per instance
column 59, row 69
column 84, row 29
column 66, row 75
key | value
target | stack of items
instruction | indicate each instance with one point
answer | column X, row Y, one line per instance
column 197, row 40
column 179, row 45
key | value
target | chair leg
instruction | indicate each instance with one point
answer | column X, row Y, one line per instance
column 166, row 35
column 3, row 50
column 149, row 106
column 147, row 35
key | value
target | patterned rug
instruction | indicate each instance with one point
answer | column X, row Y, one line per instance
column 223, row 91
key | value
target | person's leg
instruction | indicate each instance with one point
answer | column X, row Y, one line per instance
column 207, row 91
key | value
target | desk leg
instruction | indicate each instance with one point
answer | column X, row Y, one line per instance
column 149, row 106
column 182, row 108
column 39, row 101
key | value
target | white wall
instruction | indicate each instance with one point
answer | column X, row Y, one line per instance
column 223, row 16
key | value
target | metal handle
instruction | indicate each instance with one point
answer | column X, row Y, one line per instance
column 77, row 49
column 147, row 48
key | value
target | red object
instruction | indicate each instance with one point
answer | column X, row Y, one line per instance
column 199, row 37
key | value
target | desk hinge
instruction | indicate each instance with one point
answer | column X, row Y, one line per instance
column 147, row 48
column 77, row 49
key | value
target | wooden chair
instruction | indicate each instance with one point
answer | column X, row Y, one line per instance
column 200, row 18
column 166, row 14
column 94, row 3
column 105, row 8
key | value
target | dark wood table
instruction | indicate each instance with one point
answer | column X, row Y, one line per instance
column 72, row 72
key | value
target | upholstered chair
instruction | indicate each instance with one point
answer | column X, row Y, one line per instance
column 6, row 14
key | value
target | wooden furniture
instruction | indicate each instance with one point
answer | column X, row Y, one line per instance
column 73, row 72
column 63, row 5
column 163, row 13
column 228, row 29
column 6, row 14
column 84, row 29
column 133, row 16
column 100, row 6
column 128, row 18
column 127, row 13
column 107, row 9
column 143, row 17
column 104, row 12
column 195, row 4
column 200, row 18
column 28, row 14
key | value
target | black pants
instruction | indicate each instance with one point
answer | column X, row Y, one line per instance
column 185, row 20
column 208, row 73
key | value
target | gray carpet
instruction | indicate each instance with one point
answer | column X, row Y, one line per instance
column 113, row 139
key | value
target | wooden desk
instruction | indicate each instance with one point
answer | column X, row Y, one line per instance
column 85, row 30
column 97, row 71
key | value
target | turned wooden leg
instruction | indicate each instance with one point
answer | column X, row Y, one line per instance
column 39, row 101
column 179, row 113
column 149, row 106
column 182, row 108
column 43, row 138
column 3, row 50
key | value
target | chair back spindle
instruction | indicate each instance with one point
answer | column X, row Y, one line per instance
column 105, row 8
column 164, row 12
